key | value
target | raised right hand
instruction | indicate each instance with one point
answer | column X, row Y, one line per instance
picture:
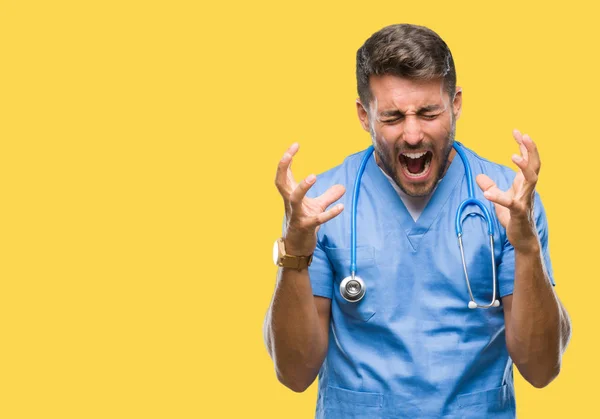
column 304, row 215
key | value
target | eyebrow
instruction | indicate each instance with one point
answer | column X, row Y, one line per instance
column 396, row 112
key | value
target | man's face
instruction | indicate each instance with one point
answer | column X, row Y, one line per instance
column 412, row 124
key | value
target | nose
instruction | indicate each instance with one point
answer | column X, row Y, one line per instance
column 413, row 134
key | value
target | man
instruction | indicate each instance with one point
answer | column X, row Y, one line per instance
column 411, row 346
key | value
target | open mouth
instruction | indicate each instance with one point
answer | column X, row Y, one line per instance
column 416, row 165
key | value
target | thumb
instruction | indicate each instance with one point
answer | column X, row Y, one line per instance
column 493, row 193
column 485, row 182
column 496, row 196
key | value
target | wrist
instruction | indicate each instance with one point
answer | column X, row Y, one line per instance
column 299, row 244
column 528, row 246
column 297, row 250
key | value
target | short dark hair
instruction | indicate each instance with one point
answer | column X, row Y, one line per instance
column 404, row 50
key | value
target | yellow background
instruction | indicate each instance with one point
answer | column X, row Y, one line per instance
column 138, row 146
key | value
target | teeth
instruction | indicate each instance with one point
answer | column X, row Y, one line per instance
column 414, row 155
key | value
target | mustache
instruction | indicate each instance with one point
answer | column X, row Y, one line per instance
column 403, row 148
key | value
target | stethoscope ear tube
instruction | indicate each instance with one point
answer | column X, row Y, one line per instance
column 472, row 303
column 471, row 200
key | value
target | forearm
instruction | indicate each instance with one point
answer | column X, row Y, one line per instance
column 538, row 329
column 292, row 331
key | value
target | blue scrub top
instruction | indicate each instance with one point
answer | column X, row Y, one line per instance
column 411, row 347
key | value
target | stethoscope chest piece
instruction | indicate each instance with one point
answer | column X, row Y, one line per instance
column 352, row 288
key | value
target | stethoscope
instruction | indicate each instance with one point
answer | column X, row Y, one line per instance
column 353, row 287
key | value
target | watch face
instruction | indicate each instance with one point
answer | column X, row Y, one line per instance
column 275, row 252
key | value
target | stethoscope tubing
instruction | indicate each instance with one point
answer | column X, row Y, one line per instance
column 356, row 283
column 355, row 193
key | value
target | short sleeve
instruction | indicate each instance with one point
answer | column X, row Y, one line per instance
column 506, row 269
column 321, row 274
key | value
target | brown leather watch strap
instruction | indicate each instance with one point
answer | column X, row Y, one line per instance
column 290, row 261
column 296, row 262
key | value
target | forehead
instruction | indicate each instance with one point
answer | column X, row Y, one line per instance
column 393, row 92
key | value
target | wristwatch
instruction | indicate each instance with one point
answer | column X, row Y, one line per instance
column 282, row 259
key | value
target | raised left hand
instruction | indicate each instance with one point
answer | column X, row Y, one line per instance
column 514, row 207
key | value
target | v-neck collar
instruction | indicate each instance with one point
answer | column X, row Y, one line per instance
column 415, row 230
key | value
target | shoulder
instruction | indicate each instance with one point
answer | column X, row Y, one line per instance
column 342, row 174
column 502, row 175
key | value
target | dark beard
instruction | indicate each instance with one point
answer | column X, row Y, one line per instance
column 388, row 167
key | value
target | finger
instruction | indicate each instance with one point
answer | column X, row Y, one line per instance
column 534, row 156
column 300, row 191
column 330, row 196
column 485, row 182
column 499, row 197
column 329, row 214
column 526, row 168
column 519, row 139
column 284, row 180
column 493, row 193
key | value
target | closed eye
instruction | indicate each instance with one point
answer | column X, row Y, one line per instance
column 429, row 116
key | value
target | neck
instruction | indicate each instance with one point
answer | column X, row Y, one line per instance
column 450, row 158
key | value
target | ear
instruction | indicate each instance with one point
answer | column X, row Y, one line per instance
column 457, row 103
column 363, row 116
